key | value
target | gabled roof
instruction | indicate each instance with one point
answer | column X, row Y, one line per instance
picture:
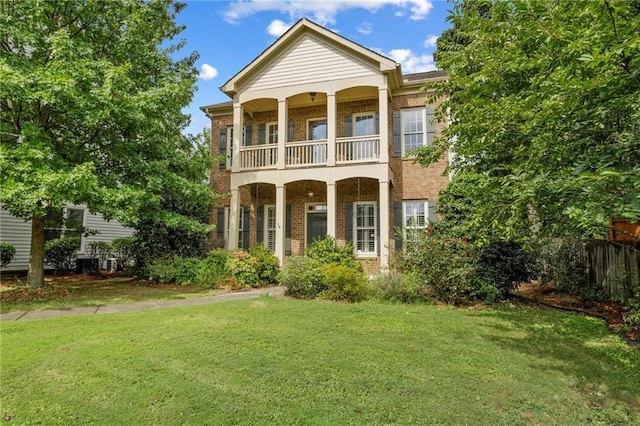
column 304, row 26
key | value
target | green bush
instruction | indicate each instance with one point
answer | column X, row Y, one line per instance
column 7, row 251
column 503, row 265
column 267, row 264
column 244, row 268
column 562, row 263
column 344, row 283
column 175, row 270
column 328, row 251
column 631, row 316
column 61, row 253
column 398, row 287
column 303, row 278
column 123, row 250
column 213, row 270
column 100, row 250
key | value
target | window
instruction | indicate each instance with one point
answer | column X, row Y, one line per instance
column 417, row 128
column 317, row 129
column 365, row 228
column 415, row 217
column 272, row 132
column 364, row 124
column 229, row 147
column 64, row 223
column 270, row 227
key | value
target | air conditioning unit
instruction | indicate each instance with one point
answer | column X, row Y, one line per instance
column 111, row 265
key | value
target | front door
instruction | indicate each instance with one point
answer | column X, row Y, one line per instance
column 316, row 222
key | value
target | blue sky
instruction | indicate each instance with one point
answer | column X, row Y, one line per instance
column 230, row 34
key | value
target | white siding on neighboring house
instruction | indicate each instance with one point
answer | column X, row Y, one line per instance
column 309, row 60
column 18, row 232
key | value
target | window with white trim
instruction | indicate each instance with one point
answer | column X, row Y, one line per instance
column 365, row 235
column 317, row 129
column 272, row 132
column 415, row 217
column 270, row 227
column 229, row 147
column 417, row 128
column 66, row 222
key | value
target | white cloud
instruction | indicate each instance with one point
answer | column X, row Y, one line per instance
column 207, row 72
column 365, row 28
column 431, row 41
column 276, row 28
column 323, row 12
column 410, row 62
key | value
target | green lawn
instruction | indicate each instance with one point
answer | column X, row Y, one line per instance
column 279, row 361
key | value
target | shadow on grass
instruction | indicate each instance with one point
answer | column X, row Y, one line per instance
column 573, row 344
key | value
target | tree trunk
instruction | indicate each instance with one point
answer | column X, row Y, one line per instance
column 35, row 278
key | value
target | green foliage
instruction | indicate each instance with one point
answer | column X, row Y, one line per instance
column 267, row 264
column 327, row 250
column 631, row 316
column 503, row 265
column 100, row 250
column 213, row 270
column 398, row 287
column 562, row 262
column 123, row 249
column 344, row 283
column 244, row 268
column 7, row 251
column 61, row 253
column 303, row 277
column 92, row 111
column 542, row 105
column 182, row 271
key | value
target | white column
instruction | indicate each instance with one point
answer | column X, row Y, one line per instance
column 283, row 131
column 238, row 116
column 383, row 119
column 234, row 211
column 331, row 209
column 281, row 220
column 384, row 225
column 332, row 124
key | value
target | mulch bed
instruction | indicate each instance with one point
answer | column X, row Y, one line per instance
column 548, row 295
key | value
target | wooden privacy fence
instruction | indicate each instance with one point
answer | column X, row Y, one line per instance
column 614, row 266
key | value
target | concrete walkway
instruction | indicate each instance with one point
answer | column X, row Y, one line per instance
column 139, row 306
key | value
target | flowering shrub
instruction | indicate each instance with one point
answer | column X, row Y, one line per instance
column 244, row 268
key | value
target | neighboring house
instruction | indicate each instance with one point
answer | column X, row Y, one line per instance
column 18, row 231
column 315, row 142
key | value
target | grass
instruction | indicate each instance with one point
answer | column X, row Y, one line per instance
column 82, row 290
column 280, row 361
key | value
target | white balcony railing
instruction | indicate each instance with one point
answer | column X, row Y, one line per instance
column 357, row 149
column 307, row 153
column 258, row 157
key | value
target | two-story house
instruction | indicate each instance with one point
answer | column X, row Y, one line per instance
column 315, row 142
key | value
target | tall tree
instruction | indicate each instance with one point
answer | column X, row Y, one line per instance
column 544, row 105
column 91, row 105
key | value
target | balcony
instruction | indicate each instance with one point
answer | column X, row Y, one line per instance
column 352, row 150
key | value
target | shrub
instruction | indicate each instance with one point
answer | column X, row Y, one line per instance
column 631, row 316
column 164, row 271
column 562, row 262
column 303, row 278
column 243, row 268
column 61, row 253
column 99, row 250
column 344, row 283
column 503, row 265
column 7, row 251
column 328, row 251
column 213, row 270
column 188, row 270
column 397, row 287
column 267, row 264
column 123, row 250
